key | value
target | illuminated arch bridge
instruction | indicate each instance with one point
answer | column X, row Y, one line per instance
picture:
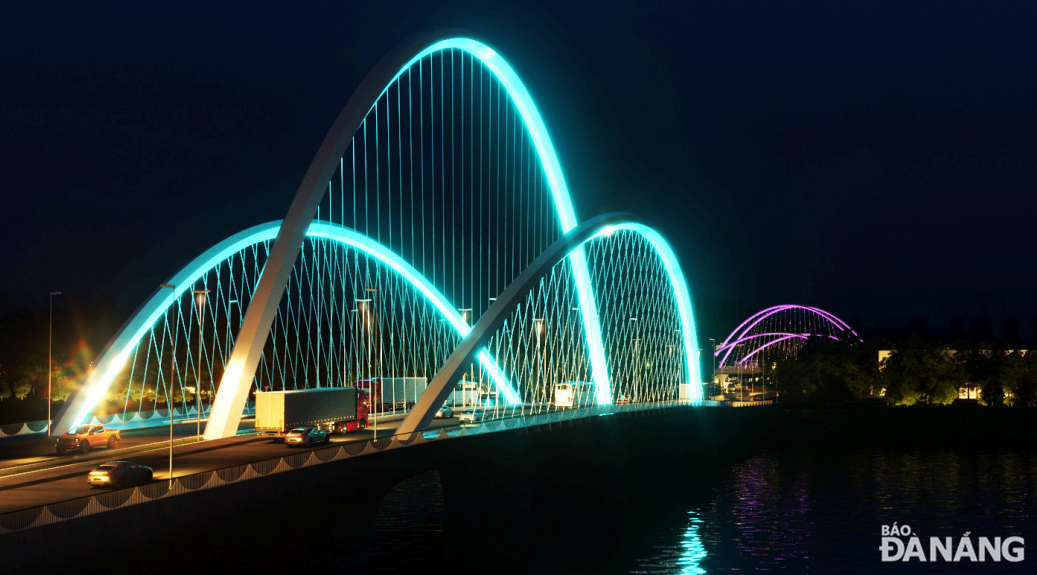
column 433, row 237
column 778, row 331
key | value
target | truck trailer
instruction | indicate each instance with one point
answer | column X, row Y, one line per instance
column 278, row 412
column 392, row 394
column 574, row 394
column 465, row 394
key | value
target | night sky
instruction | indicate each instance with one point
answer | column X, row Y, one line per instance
column 870, row 160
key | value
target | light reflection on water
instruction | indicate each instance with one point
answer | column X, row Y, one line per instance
column 795, row 512
column 693, row 549
column 822, row 512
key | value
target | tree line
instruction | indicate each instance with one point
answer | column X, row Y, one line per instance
column 916, row 371
column 29, row 380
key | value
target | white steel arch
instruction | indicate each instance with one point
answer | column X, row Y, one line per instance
column 245, row 358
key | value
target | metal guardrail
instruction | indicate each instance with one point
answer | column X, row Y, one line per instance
column 132, row 420
column 747, row 403
column 83, row 506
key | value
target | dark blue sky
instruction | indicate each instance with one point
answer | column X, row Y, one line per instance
column 869, row 159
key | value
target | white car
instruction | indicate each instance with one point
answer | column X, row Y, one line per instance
column 473, row 415
column 445, row 412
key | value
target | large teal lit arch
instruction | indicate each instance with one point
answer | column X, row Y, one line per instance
column 113, row 359
column 259, row 317
column 538, row 133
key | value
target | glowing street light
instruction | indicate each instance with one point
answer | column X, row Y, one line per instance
column 50, row 360
column 741, row 384
column 378, row 358
column 199, row 297
column 169, row 387
column 713, row 375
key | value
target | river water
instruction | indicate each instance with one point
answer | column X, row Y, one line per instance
column 793, row 512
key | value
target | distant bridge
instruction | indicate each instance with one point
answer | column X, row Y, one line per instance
column 778, row 331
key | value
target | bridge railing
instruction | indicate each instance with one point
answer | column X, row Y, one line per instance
column 129, row 420
column 121, row 498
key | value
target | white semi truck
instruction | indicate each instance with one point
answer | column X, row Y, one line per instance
column 465, row 394
column 278, row 412
column 393, row 394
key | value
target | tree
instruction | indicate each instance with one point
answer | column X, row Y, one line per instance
column 992, row 391
column 828, row 371
column 992, row 382
column 972, row 362
column 30, row 376
column 5, row 388
column 792, row 381
column 1019, row 375
column 22, row 387
column 899, row 387
column 918, row 371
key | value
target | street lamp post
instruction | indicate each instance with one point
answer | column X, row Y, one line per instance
column 763, row 376
column 713, row 375
column 227, row 345
column 199, row 296
column 169, row 388
column 637, row 375
column 378, row 358
column 465, row 311
column 637, row 371
column 50, row 360
column 543, row 363
column 741, row 384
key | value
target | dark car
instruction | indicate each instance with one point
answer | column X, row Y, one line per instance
column 119, row 474
column 306, row 436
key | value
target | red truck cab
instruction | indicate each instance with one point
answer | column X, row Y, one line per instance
column 363, row 408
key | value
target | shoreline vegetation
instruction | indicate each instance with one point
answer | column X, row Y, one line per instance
column 832, row 372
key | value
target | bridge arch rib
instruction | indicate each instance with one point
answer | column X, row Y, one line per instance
column 245, row 358
column 115, row 355
column 772, row 325
column 470, row 347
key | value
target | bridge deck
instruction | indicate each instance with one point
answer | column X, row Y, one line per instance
column 68, row 481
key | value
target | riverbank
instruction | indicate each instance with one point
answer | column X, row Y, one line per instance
column 916, row 427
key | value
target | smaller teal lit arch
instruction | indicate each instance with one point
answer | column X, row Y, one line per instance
column 113, row 359
column 689, row 335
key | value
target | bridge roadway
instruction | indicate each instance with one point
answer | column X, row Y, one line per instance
column 64, row 476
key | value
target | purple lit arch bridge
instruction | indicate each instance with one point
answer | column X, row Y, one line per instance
column 432, row 238
column 778, row 331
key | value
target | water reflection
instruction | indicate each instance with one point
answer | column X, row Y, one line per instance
column 811, row 511
column 694, row 550
column 797, row 512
